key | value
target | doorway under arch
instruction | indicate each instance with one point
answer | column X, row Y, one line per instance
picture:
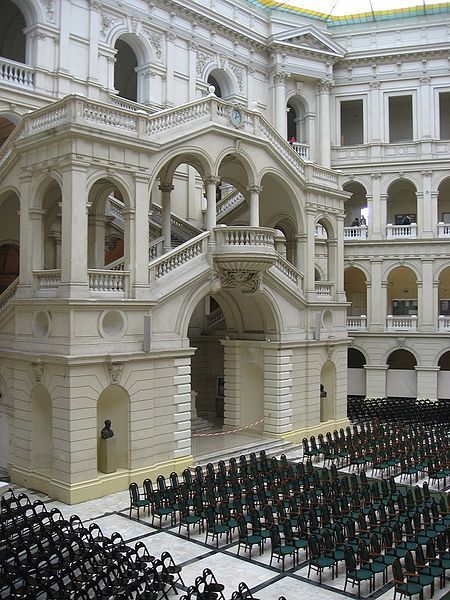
column 12, row 37
column 356, row 374
column 401, row 375
column 125, row 75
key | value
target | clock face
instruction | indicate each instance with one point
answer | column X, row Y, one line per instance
column 236, row 117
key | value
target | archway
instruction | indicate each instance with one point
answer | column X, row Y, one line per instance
column 6, row 128
column 298, row 125
column 444, row 300
column 444, row 376
column 224, row 86
column 356, row 375
column 114, row 405
column 401, row 203
column 356, row 207
column 402, row 299
column 356, row 292
column 9, row 239
column 12, row 37
column 401, row 375
column 125, row 74
column 443, row 203
column 327, row 392
column 42, row 431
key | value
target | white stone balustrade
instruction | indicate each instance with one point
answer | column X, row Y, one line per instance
column 106, row 281
column 301, row 149
column 443, row 323
column 245, row 236
column 401, row 231
column 179, row 256
column 7, row 295
column 228, row 203
column 155, row 248
column 48, row 280
column 355, row 233
column 289, row 271
column 324, row 290
column 401, row 323
column 357, row 323
column 17, row 74
column 443, row 230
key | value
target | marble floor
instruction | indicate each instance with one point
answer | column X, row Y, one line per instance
column 266, row 582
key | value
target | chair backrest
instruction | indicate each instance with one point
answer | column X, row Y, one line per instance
column 349, row 557
column 410, row 567
column 134, row 491
column 242, row 526
column 313, row 547
column 244, row 590
column 275, row 537
column 148, row 489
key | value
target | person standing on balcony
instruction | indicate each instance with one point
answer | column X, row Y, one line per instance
column 363, row 221
column 406, row 220
column 355, row 222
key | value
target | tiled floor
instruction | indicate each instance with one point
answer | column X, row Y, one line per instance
column 267, row 583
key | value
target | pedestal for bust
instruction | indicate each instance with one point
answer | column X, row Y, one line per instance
column 107, row 462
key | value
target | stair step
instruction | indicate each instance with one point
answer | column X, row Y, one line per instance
column 272, row 448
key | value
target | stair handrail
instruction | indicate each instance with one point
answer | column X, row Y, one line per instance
column 177, row 222
column 7, row 295
column 178, row 256
column 116, row 265
column 289, row 270
column 230, row 201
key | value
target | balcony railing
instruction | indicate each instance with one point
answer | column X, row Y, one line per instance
column 301, row 149
column 324, row 290
column 401, row 231
column 357, row 323
column 403, row 323
column 355, row 233
column 48, row 280
column 443, row 230
column 17, row 74
column 443, row 324
column 106, row 281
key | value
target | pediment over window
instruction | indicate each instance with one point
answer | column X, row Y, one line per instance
column 309, row 38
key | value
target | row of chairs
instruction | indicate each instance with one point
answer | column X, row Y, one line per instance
column 398, row 410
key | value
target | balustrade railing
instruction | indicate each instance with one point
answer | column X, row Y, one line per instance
column 401, row 323
column 106, row 281
column 289, row 271
column 186, row 229
column 17, row 74
column 179, row 256
column 228, row 203
column 355, row 233
column 357, row 323
column 116, row 265
column 215, row 316
column 324, row 289
column 443, row 323
column 301, row 149
column 245, row 236
column 401, row 231
column 155, row 248
column 444, row 230
column 48, row 280
column 8, row 295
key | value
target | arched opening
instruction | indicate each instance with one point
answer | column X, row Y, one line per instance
column 356, row 210
column 444, row 300
column 401, row 375
column 12, row 37
column 114, row 405
column 356, row 375
column 213, row 81
column 324, row 259
column 7, row 126
column 298, row 126
column 42, row 431
column 47, row 253
column 401, row 207
column 402, row 304
column 444, row 376
column 9, row 239
column 443, row 203
column 106, row 226
column 9, row 265
column 327, row 392
column 125, row 74
column 356, row 292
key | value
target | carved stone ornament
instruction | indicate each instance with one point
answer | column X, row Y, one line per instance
column 249, row 281
column 115, row 371
column 239, row 75
column 253, row 355
column 203, row 58
column 325, row 85
column 279, row 77
column 38, row 371
column 106, row 23
column 49, row 7
column 330, row 351
column 155, row 40
column 401, row 341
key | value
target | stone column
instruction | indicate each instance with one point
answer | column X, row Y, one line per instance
column 375, row 307
column 192, row 70
column 279, row 109
column 96, row 241
column 170, row 95
column 375, row 214
column 427, row 382
column 94, row 15
column 374, row 111
column 254, row 191
column 166, row 226
column 424, row 112
column 139, row 237
column 74, row 277
column 309, row 260
column 211, row 182
column 434, row 212
column 427, row 211
column 339, row 261
column 232, row 373
column 376, row 381
column 277, row 390
column 383, row 214
column 29, row 246
column 301, row 241
column 426, row 301
column 324, row 88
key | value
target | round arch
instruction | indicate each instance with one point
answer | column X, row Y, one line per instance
column 356, row 205
column 355, row 286
column 356, row 375
column 401, row 375
column 226, row 82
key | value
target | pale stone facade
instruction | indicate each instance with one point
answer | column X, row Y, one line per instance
column 170, row 237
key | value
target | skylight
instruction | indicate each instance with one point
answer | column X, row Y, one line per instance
column 340, row 12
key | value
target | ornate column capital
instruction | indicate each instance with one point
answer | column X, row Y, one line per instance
column 255, row 188
column 279, row 77
column 324, row 86
column 166, row 188
column 212, row 180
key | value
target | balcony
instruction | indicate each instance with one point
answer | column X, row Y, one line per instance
column 355, row 233
column 357, row 323
column 16, row 74
column 324, row 290
column 401, row 323
column 301, row 149
column 401, row 231
column 242, row 254
column 103, row 282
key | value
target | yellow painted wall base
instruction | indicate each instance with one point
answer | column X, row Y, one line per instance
column 297, row 435
column 103, row 485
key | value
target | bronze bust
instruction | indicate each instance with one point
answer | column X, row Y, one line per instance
column 107, row 432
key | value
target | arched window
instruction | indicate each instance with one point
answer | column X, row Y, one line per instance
column 125, row 76
column 12, row 38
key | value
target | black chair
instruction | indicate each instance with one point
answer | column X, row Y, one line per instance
column 137, row 500
column 317, row 562
column 353, row 574
column 246, row 539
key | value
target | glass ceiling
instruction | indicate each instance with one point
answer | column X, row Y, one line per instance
column 343, row 12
